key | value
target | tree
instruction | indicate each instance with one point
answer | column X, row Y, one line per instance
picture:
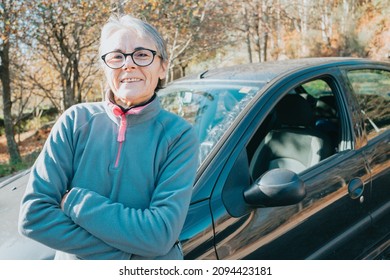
column 66, row 34
column 9, row 13
column 193, row 30
column 262, row 24
column 246, row 31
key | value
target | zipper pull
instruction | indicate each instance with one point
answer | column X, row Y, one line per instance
column 122, row 128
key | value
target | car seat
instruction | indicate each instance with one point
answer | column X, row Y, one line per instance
column 294, row 144
column 326, row 117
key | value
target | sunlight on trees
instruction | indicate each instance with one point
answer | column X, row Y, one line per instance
column 49, row 58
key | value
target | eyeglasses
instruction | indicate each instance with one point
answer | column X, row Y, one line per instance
column 141, row 57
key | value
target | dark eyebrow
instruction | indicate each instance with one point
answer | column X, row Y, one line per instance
column 142, row 48
column 136, row 49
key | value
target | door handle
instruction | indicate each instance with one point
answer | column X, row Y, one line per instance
column 355, row 188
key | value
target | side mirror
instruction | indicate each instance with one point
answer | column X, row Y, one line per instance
column 277, row 187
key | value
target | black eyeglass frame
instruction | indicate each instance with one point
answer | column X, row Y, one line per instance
column 154, row 53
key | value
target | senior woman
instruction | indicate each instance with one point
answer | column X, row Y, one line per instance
column 114, row 178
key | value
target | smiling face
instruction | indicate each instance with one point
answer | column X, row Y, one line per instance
column 132, row 84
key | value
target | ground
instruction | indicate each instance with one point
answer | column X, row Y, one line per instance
column 29, row 144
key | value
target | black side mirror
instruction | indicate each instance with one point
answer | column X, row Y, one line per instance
column 277, row 187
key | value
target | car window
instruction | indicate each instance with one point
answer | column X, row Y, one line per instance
column 372, row 90
column 210, row 108
column 302, row 130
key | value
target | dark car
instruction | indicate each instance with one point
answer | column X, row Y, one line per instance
column 294, row 161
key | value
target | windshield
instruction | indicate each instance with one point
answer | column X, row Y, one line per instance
column 210, row 108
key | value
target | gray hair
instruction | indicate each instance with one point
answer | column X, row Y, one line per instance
column 127, row 22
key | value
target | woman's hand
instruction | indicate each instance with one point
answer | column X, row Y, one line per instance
column 63, row 200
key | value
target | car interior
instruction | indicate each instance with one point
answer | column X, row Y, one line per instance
column 302, row 130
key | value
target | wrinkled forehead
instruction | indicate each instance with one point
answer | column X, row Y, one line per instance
column 125, row 40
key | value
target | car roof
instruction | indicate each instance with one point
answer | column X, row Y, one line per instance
column 266, row 71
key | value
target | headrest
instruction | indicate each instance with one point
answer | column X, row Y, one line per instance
column 326, row 106
column 294, row 110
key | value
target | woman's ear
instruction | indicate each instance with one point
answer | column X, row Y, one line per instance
column 163, row 72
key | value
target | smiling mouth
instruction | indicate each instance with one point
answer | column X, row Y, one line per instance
column 130, row 80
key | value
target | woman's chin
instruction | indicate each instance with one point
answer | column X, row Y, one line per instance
column 126, row 97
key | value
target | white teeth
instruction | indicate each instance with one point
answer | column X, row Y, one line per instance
column 129, row 80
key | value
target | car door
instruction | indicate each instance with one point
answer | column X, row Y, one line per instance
column 197, row 236
column 334, row 211
column 371, row 87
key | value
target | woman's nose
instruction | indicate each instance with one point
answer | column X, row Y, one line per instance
column 129, row 63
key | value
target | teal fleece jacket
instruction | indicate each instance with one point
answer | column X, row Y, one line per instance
column 129, row 177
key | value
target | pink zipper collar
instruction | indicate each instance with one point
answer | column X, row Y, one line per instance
column 117, row 111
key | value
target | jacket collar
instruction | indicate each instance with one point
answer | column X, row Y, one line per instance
column 110, row 98
column 136, row 114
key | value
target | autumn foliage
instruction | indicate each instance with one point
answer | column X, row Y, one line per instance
column 48, row 49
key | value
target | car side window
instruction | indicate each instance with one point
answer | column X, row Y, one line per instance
column 372, row 90
column 302, row 130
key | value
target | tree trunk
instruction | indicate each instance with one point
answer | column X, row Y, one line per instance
column 247, row 35
column 69, row 93
column 265, row 47
column 13, row 150
column 76, row 81
column 258, row 39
